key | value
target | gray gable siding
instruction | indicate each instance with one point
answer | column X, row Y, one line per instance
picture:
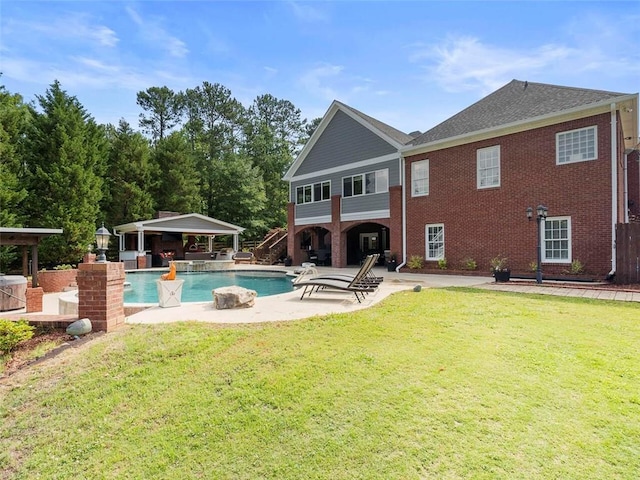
column 336, row 178
column 366, row 203
column 361, row 203
column 315, row 209
column 344, row 141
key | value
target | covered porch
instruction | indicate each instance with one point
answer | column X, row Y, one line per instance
column 153, row 243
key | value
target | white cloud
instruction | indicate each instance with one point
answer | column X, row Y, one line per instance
column 154, row 34
column 331, row 82
column 316, row 81
column 307, row 12
column 465, row 63
column 78, row 27
column 592, row 47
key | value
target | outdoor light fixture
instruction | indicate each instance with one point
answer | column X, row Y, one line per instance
column 541, row 215
column 102, row 240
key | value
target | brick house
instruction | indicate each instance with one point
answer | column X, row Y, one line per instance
column 460, row 190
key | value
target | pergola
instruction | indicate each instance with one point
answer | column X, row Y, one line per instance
column 26, row 237
column 188, row 224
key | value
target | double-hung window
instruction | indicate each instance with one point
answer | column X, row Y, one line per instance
column 366, row 183
column 577, row 145
column 488, row 165
column 316, row 192
column 557, row 240
column 434, row 235
column 420, row 178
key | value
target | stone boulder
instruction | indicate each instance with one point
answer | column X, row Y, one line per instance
column 233, row 297
column 79, row 327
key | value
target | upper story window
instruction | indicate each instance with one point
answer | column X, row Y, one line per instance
column 420, row 178
column 577, row 145
column 557, row 240
column 488, row 165
column 366, row 183
column 316, row 192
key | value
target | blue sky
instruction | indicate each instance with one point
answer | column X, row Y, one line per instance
column 409, row 64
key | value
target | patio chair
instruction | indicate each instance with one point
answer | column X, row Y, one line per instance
column 315, row 284
column 244, row 257
column 364, row 275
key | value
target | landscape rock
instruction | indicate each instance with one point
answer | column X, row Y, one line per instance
column 233, row 297
column 80, row 327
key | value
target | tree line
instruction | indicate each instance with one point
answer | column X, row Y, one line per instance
column 198, row 150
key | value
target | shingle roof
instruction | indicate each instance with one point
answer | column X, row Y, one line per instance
column 516, row 101
column 388, row 130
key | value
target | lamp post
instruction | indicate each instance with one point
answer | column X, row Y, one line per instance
column 102, row 241
column 541, row 212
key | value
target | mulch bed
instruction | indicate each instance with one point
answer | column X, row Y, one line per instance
column 21, row 355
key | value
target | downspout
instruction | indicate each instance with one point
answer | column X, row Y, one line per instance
column 404, row 214
column 625, row 188
column 120, row 241
column 614, row 185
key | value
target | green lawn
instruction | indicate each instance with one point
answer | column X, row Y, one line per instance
column 441, row 384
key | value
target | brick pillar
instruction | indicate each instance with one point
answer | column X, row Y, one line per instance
column 142, row 261
column 100, row 294
column 395, row 222
column 34, row 299
column 338, row 254
column 89, row 258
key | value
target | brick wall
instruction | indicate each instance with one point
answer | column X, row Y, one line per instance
column 485, row 223
column 56, row 280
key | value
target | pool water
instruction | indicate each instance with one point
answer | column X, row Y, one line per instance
column 198, row 285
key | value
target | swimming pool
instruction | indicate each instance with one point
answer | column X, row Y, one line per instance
column 198, row 285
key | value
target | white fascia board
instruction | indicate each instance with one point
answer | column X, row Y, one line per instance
column 371, row 215
column 342, row 168
column 35, row 231
column 313, row 220
column 603, row 106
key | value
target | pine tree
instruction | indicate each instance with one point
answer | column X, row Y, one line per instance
column 177, row 187
column 14, row 117
column 128, row 184
column 65, row 156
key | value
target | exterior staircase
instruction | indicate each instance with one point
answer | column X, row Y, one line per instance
column 269, row 251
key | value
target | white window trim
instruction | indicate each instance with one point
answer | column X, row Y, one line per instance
column 495, row 185
column 413, row 165
column 364, row 180
column 311, row 185
column 426, row 241
column 544, row 245
column 595, row 145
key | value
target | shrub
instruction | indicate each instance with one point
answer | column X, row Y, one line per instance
column 442, row 264
column 469, row 264
column 576, row 268
column 12, row 333
column 415, row 262
column 499, row 264
column 64, row 266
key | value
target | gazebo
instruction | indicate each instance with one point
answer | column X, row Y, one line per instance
column 26, row 237
column 140, row 243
